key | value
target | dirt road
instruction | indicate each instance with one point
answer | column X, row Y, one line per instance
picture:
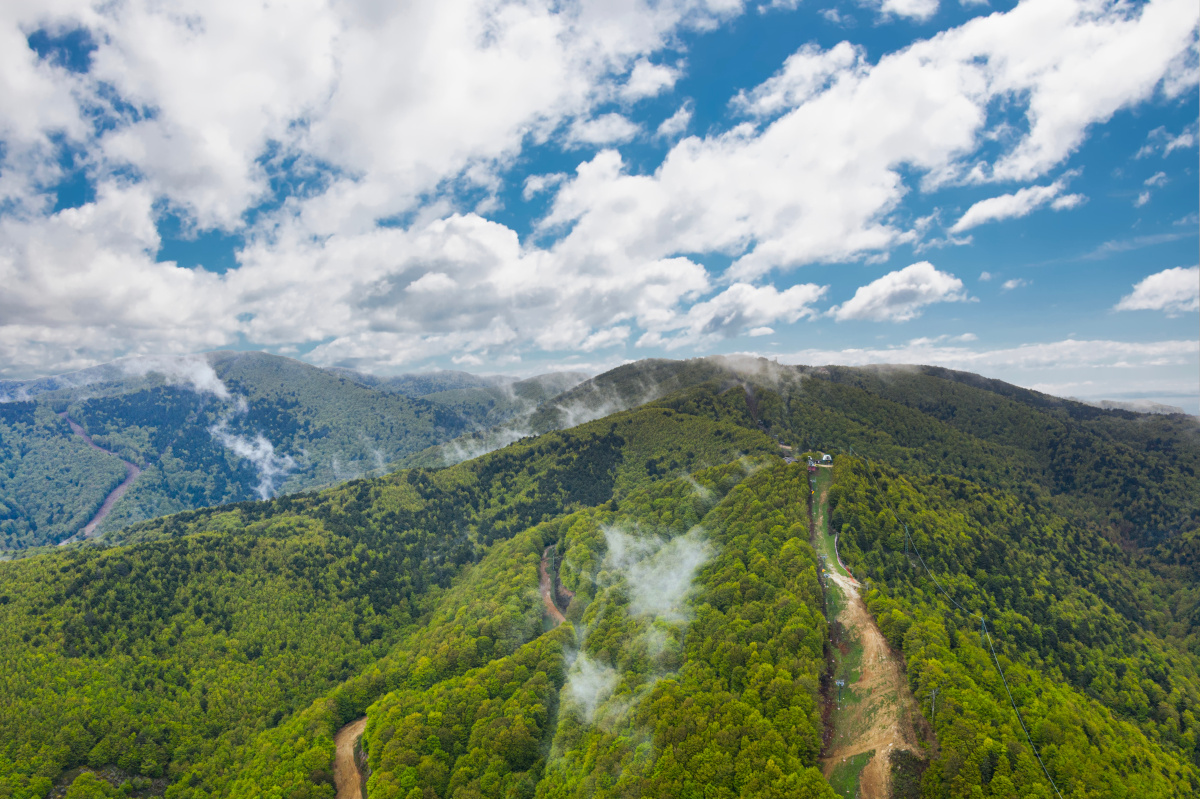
column 546, row 586
column 131, row 473
column 879, row 716
column 346, row 775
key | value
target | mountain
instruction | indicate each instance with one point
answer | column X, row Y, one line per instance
column 220, row 428
column 1029, row 558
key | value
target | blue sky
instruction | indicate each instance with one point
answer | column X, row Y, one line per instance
column 523, row 186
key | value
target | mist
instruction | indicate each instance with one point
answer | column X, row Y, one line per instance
column 589, row 683
column 659, row 573
column 261, row 454
column 192, row 370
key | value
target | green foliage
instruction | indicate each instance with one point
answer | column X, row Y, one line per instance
column 723, row 704
column 88, row 786
column 281, row 620
column 477, row 735
column 1107, row 702
column 51, row 481
column 223, row 648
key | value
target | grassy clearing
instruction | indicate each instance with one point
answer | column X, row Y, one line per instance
column 824, row 543
column 844, row 779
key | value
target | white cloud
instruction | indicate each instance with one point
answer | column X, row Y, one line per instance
column 648, row 80
column 985, row 276
column 1157, row 179
column 1057, row 355
column 1018, row 204
column 738, row 309
column 1173, row 291
column 1161, row 141
column 392, row 112
column 1067, row 202
column 920, row 10
column 677, row 123
column 537, row 184
column 606, row 129
column 900, row 296
column 924, row 107
column 805, row 73
column 1142, row 199
column 1015, row 283
column 1107, row 368
column 259, row 452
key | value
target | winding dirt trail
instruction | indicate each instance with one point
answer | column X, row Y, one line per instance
column 546, row 586
column 346, row 775
column 131, row 473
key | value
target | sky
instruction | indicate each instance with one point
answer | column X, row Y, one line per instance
column 535, row 185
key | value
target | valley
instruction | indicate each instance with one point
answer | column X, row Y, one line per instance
column 132, row 470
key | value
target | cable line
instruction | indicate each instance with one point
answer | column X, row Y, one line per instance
column 983, row 620
column 1020, row 720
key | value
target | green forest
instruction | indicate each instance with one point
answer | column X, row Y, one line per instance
column 283, row 427
column 215, row 652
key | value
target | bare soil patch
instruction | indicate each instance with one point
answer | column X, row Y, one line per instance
column 881, row 717
column 346, row 775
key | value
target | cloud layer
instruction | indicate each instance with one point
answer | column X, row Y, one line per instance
column 360, row 154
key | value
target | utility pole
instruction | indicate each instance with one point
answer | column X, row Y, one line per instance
column 933, row 709
column 840, row 684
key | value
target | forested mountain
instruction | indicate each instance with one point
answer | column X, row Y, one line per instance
column 224, row 428
column 218, row 651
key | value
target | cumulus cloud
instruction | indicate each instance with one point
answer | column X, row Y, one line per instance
column 805, row 73
column 647, row 80
column 606, row 129
column 537, row 184
column 677, row 123
column 900, row 296
column 1018, row 204
column 1173, row 291
column 1015, row 283
column 1164, row 143
column 202, row 110
column 924, row 107
column 741, row 308
column 920, row 10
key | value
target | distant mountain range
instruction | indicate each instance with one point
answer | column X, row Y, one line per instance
column 225, row 427
column 230, row 427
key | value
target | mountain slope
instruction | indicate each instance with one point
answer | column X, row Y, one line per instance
column 224, row 621
column 223, row 428
column 224, row 647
